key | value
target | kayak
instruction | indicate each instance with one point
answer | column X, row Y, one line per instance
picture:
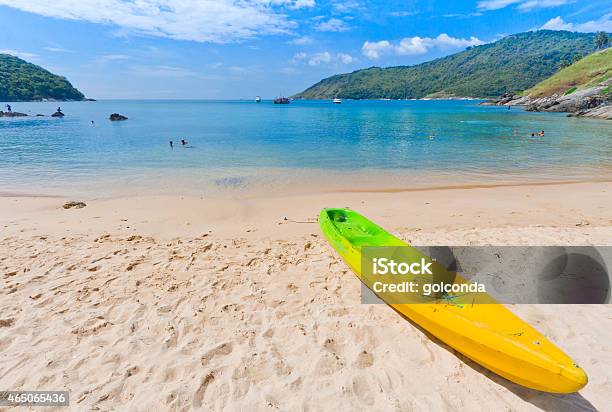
column 486, row 332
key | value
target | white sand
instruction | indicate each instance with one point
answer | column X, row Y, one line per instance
column 180, row 303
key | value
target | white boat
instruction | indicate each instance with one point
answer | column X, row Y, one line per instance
column 337, row 101
column 258, row 99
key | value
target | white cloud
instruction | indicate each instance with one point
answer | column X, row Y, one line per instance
column 496, row 4
column 299, row 4
column 444, row 41
column 301, row 41
column 217, row 21
column 557, row 24
column 524, row 5
column 373, row 50
column 604, row 23
column 332, row 24
column 21, row 54
column 58, row 50
column 289, row 71
column 106, row 58
column 412, row 45
column 318, row 58
column 403, row 13
column 162, row 71
column 542, row 4
column 345, row 58
column 346, row 6
column 416, row 45
column 298, row 57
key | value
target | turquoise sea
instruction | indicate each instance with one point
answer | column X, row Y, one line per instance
column 244, row 145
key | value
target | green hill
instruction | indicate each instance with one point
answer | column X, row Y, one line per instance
column 23, row 81
column 511, row 64
column 587, row 72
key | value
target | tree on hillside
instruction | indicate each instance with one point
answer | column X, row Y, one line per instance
column 602, row 40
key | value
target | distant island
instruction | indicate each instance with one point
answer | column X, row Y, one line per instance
column 510, row 65
column 23, row 81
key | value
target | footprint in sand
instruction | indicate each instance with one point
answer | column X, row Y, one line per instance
column 364, row 359
column 361, row 389
column 220, row 350
column 198, row 396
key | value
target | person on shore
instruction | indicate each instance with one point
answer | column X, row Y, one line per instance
column 9, row 108
column 59, row 109
column 171, row 144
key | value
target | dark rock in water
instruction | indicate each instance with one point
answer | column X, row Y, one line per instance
column 57, row 114
column 89, row 99
column 40, row 115
column 76, row 205
column 12, row 114
column 116, row 117
column 502, row 100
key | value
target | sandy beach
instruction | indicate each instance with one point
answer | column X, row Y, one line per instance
column 180, row 303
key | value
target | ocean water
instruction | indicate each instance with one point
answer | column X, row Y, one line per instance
column 243, row 145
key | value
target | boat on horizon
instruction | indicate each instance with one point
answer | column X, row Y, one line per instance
column 336, row 100
column 258, row 99
column 282, row 100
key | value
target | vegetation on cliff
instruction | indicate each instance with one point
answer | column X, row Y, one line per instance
column 23, row 81
column 588, row 72
column 512, row 64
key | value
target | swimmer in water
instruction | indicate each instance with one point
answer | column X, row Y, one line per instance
column 171, row 144
column 184, row 142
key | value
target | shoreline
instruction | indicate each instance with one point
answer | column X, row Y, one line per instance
column 266, row 182
column 477, row 206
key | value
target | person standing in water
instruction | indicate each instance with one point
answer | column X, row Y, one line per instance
column 171, row 145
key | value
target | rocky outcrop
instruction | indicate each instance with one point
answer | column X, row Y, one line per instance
column 115, row 117
column 589, row 102
column 601, row 112
column 12, row 114
column 57, row 114
column 74, row 205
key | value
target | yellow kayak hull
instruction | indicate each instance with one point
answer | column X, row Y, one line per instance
column 488, row 333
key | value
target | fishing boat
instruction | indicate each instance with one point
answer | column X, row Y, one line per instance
column 282, row 100
column 258, row 99
column 336, row 101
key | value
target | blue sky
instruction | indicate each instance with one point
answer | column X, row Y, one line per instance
column 242, row 48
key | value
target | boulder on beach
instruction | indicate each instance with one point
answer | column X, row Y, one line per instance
column 117, row 117
column 74, row 205
column 57, row 114
column 11, row 114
